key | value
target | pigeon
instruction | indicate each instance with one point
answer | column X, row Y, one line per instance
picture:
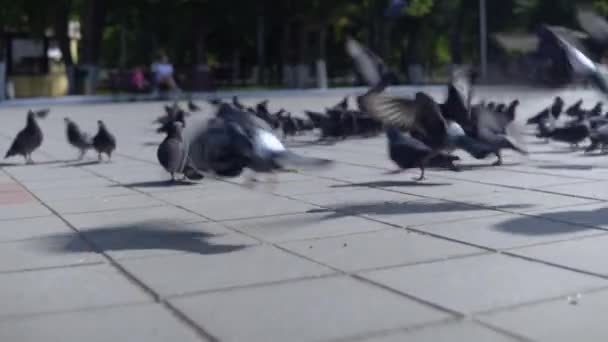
column 573, row 134
column 598, row 138
column 42, row 113
column 495, row 129
column 575, row 109
column 237, row 103
column 541, row 116
column 408, row 152
column 104, row 141
column 193, row 107
column 173, row 113
column 597, row 110
column 77, row 138
column 27, row 140
column 172, row 153
column 557, row 107
column 234, row 140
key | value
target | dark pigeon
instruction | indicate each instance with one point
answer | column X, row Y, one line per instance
column 172, row 153
column 27, row 140
column 408, row 152
column 77, row 138
column 193, row 107
column 104, row 141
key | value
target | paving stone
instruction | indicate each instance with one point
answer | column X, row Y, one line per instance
column 130, row 217
column 594, row 215
column 151, row 323
column 596, row 190
column 23, row 210
column 586, row 254
column 232, row 209
column 508, row 231
column 81, row 183
column 348, row 199
column 524, row 201
column 378, row 249
column 44, row 252
column 29, row 228
column 313, row 310
column 482, row 283
column 95, row 204
column 58, row 194
column 65, row 289
column 461, row 331
column 224, row 267
column 304, row 226
column 514, row 179
column 557, row 320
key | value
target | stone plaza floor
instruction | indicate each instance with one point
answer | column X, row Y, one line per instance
column 109, row 252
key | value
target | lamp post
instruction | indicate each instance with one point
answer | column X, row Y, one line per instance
column 483, row 42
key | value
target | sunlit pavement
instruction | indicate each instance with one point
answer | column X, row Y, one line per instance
column 111, row 252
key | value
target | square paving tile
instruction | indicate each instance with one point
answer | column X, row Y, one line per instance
column 557, row 320
column 483, row 283
column 186, row 273
column 378, row 249
column 508, row 231
column 514, row 179
column 151, row 323
column 46, row 252
column 67, row 183
column 524, row 201
column 450, row 332
column 232, row 209
column 312, row 310
column 55, row 194
column 24, row 210
column 587, row 254
column 596, row 190
column 29, row 228
column 97, row 204
column 129, row 217
column 595, row 214
column 65, row 289
column 304, row 226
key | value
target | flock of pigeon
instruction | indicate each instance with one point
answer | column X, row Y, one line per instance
column 30, row 138
column 421, row 131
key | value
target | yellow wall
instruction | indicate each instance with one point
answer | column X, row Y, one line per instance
column 54, row 84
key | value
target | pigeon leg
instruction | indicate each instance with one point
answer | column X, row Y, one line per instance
column 28, row 159
column 99, row 158
column 81, row 155
column 499, row 161
column 421, row 178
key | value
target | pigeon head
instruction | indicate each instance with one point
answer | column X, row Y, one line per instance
column 101, row 124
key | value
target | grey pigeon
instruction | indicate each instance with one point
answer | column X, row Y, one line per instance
column 235, row 140
column 104, row 141
column 77, row 138
column 172, row 153
column 27, row 140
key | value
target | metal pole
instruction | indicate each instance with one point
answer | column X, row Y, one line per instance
column 483, row 43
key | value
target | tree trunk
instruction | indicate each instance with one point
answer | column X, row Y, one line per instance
column 287, row 62
column 302, row 67
column 94, row 18
column 60, row 26
column 261, row 49
column 321, row 66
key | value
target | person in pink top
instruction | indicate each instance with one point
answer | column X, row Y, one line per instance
column 138, row 79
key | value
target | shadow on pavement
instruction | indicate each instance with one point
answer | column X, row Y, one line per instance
column 144, row 236
column 397, row 208
column 528, row 225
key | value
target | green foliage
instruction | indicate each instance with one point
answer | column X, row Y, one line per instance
column 419, row 8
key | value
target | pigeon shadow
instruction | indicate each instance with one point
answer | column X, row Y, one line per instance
column 139, row 237
column 398, row 208
column 156, row 184
column 151, row 143
column 572, row 219
column 560, row 151
column 384, row 184
column 489, row 164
